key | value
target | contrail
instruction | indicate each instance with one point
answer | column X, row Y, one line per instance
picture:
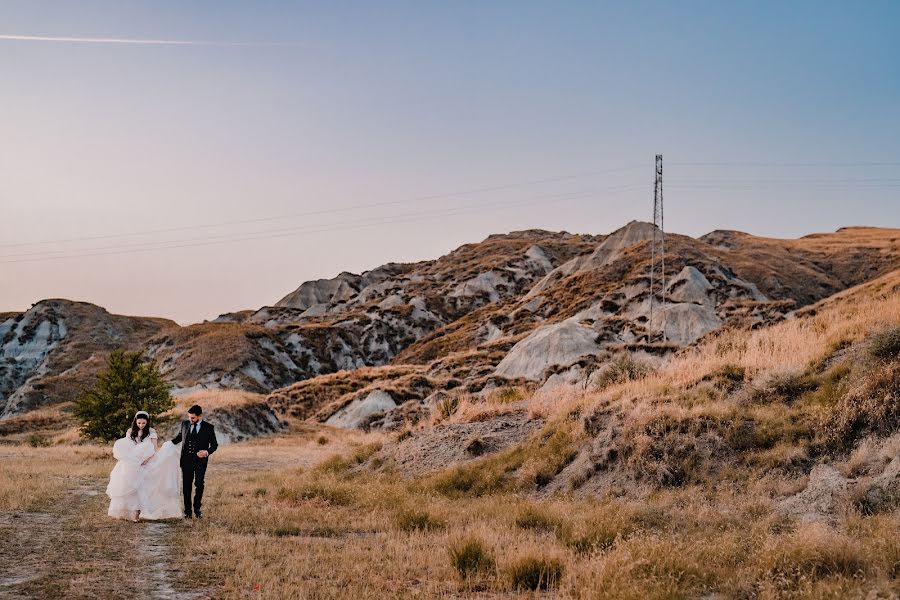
column 101, row 40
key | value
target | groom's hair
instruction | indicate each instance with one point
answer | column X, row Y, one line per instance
column 195, row 410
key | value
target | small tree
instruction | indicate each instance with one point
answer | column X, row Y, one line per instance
column 128, row 385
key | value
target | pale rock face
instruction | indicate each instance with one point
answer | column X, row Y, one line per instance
column 489, row 332
column 557, row 344
column 531, row 306
column 539, row 258
column 821, row 498
column 25, row 343
column 606, row 252
column 483, row 283
column 316, row 310
column 618, row 241
column 569, row 377
column 391, row 301
column 690, row 286
column 567, row 268
column 685, row 323
column 322, row 291
column 358, row 411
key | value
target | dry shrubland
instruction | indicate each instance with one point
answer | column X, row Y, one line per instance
column 336, row 531
column 660, row 483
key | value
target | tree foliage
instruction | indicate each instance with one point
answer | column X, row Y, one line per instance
column 128, row 384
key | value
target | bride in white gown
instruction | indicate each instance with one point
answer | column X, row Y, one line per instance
column 144, row 484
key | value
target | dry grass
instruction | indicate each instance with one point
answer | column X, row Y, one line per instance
column 341, row 534
column 703, row 447
column 213, row 399
column 55, row 539
column 285, row 519
column 775, row 358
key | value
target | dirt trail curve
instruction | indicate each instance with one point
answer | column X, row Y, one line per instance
column 69, row 548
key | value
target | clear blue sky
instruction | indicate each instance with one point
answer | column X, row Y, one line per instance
column 400, row 104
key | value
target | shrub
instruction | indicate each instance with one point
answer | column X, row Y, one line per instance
column 621, row 369
column 727, row 378
column 469, row 557
column 534, row 518
column 128, row 384
column 331, row 494
column 447, row 405
column 287, row 531
column 474, row 479
column 365, row 452
column 553, row 450
column 339, row 463
column 595, row 535
column 785, row 387
column 535, row 573
column 812, row 552
column 873, row 406
column 418, row 520
column 333, row 464
column 36, row 440
column 506, row 395
column 885, row 345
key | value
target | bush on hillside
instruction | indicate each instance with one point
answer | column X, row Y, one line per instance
column 886, row 344
column 128, row 384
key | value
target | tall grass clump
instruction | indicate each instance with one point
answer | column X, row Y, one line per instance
column 410, row 520
column 537, row 519
column 535, row 573
column 470, row 557
column 784, row 386
column 621, row 369
column 727, row 378
column 447, row 405
column 872, row 406
column 335, row 495
column 885, row 345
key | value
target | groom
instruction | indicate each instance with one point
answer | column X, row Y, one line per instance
column 199, row 442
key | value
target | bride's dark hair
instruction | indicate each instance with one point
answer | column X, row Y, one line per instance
column 134, row 428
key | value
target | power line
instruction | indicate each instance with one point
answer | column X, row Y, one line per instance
column 295, row 231
column 786, row 164
column 295, row 228
column 334, row 210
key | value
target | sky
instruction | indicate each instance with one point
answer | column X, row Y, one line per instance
column 186, row 159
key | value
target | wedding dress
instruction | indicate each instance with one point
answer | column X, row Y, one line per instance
column 153, row 488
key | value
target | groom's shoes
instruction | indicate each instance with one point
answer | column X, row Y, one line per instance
column 188, row 517
column 198, row 514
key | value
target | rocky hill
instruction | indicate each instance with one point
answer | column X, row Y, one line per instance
column 49, row 352
column 527, row 309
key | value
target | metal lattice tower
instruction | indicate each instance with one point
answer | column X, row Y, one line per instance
column 658, row 248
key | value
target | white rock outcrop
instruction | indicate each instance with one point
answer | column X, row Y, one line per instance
column 557, row 344
column 690, row 286
column 685, row 323
column 355, row 414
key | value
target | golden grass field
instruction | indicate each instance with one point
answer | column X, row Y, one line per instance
column 284, row 521
column 321, row 513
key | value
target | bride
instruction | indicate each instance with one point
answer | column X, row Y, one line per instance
column 144, row 484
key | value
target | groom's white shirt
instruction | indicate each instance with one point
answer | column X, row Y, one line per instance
column 193, row 425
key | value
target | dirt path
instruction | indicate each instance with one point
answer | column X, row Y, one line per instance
column 71, row 549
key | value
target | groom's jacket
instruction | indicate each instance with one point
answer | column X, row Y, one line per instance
column 204, row 439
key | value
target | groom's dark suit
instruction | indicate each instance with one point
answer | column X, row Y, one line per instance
column 196, row 437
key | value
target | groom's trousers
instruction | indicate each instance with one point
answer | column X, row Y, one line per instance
column 193, row 472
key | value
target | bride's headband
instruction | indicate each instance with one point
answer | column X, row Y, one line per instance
column 140, row 414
